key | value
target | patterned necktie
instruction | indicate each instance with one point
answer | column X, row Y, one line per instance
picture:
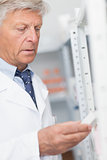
column 26, row 77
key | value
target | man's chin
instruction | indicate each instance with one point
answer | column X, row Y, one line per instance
column 26, row 62
column 27, row 59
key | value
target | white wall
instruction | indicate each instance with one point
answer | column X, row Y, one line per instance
column 51, row 33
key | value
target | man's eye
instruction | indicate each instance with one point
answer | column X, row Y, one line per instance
column 37, row 29
column 21, row 29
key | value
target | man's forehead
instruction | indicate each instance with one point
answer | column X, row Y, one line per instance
column 23, row 16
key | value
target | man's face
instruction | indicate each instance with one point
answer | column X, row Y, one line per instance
column 19, row 37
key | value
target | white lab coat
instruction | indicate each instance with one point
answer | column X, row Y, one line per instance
column 20, row 120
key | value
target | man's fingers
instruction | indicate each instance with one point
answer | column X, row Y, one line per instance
column 75, row 138
column 74, row 127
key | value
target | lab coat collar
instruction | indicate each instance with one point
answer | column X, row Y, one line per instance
column 12, row 90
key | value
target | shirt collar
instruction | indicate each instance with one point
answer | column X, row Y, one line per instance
column 9, row 69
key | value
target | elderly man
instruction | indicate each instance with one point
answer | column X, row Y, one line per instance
column 27, row 130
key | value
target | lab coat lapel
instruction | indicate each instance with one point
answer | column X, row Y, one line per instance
column 21, row 96
column 41, row 94
column 15, row 93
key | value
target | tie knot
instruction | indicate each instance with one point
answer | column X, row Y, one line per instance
column 25, row 76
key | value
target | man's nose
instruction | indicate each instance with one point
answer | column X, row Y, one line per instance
column 32, row 36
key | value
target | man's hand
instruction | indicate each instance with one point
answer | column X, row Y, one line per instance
column 61, row 137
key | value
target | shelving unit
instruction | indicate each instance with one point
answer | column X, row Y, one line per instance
column 83, row 84
column 94, row 147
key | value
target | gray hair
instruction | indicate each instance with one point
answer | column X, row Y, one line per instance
column 12, row 5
